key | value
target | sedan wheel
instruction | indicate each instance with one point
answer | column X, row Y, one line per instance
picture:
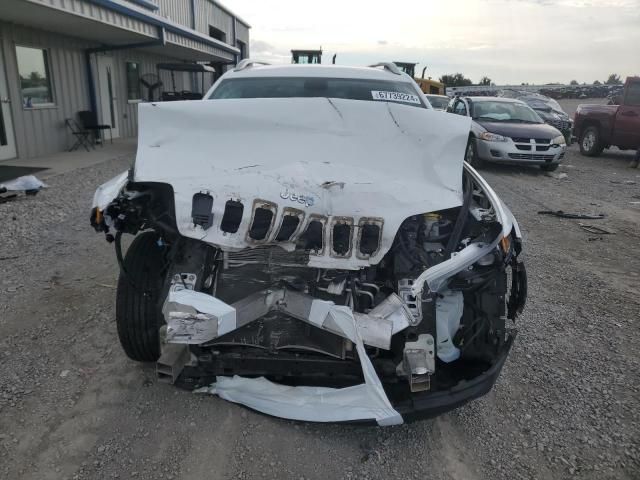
column 471, row 156
column 468, row 157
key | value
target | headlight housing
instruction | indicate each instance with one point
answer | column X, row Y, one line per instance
column 492, row 137
column 559, row 140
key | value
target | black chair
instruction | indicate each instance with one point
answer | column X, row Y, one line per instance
column 89, row 121
column 82, row 135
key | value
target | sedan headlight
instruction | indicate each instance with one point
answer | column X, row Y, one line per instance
column 492, row 137
column 559, row 140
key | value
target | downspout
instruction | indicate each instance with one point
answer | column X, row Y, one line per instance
column 193, row 76
column 93, row 103
column 235, row 39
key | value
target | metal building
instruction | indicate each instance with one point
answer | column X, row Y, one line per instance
column 61, row 57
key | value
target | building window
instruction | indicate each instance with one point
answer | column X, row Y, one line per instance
column 35, row 76
column 243, row 49
column 217, row 34
column 133, row 81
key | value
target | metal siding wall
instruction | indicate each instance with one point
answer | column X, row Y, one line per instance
column 41, row 131
column 81, row 7
column 242, row 32
column 178, row 11
column 197, row 45
column 209, row 14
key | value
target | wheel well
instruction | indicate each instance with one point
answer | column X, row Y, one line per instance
column 590, row 123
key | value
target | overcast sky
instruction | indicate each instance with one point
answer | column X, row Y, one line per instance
column 511, row 41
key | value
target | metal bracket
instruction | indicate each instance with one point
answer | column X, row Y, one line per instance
column 418, row 363
column 172, row 361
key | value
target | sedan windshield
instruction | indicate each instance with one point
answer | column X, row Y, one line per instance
column 504, row 112
column 438, row 102
column 307, row 87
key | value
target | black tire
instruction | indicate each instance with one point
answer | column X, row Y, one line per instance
column 471, row 155
column 138, row 313
column 551, row 167
column 590, row 143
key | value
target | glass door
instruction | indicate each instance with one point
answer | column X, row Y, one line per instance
column 7, row 141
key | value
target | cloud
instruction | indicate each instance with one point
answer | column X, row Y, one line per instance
column 511, row 41
column 260, row 46
column 261, row 50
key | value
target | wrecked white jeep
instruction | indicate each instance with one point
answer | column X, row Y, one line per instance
column 309, row 243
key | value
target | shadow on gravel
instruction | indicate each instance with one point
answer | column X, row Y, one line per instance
column 623, row 157
column 512, row 170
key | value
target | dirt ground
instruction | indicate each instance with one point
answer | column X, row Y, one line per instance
column 567, row 404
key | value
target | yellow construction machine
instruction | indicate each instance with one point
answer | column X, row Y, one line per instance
column 427, row 85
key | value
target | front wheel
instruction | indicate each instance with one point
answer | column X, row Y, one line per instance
column 138, row 313
column 471, row 154
column 590, row 144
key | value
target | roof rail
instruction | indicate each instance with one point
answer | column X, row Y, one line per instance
column 392, row 67
column 246, row 63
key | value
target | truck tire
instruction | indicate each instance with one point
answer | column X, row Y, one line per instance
column 471, row 155
column 138, row 312
column 590, row 144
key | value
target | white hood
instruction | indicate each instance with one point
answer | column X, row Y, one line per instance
column 332, row 158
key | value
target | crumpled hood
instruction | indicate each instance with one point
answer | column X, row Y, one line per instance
column 338, row 160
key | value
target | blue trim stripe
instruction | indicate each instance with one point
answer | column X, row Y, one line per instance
column 156, row 20
column 146, row 4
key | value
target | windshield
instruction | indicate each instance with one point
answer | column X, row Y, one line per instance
column 307, row 87
column 543, row 103
column 504, row 112
column 438, row 102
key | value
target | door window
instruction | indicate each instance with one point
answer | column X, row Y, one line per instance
column 35, row 76
column 460, row 108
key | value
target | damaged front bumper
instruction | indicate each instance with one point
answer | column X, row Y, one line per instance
column 375, row 353
column 431, row 404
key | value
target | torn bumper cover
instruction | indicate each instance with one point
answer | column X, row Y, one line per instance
column 194, row 317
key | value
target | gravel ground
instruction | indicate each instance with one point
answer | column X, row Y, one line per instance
column 566, row 406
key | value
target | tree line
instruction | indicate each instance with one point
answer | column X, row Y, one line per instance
column 459, row 80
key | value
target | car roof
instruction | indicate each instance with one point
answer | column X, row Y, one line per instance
column 429, row 95
column 495, row 99
column 327, row 71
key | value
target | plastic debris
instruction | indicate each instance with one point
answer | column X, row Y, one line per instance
column 28, row 183
column 623, row 182
column 367, row 401
column 596, row 230
column 563, row 214
column 557, row 176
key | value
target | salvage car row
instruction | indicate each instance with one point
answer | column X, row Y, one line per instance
column 496, row 137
